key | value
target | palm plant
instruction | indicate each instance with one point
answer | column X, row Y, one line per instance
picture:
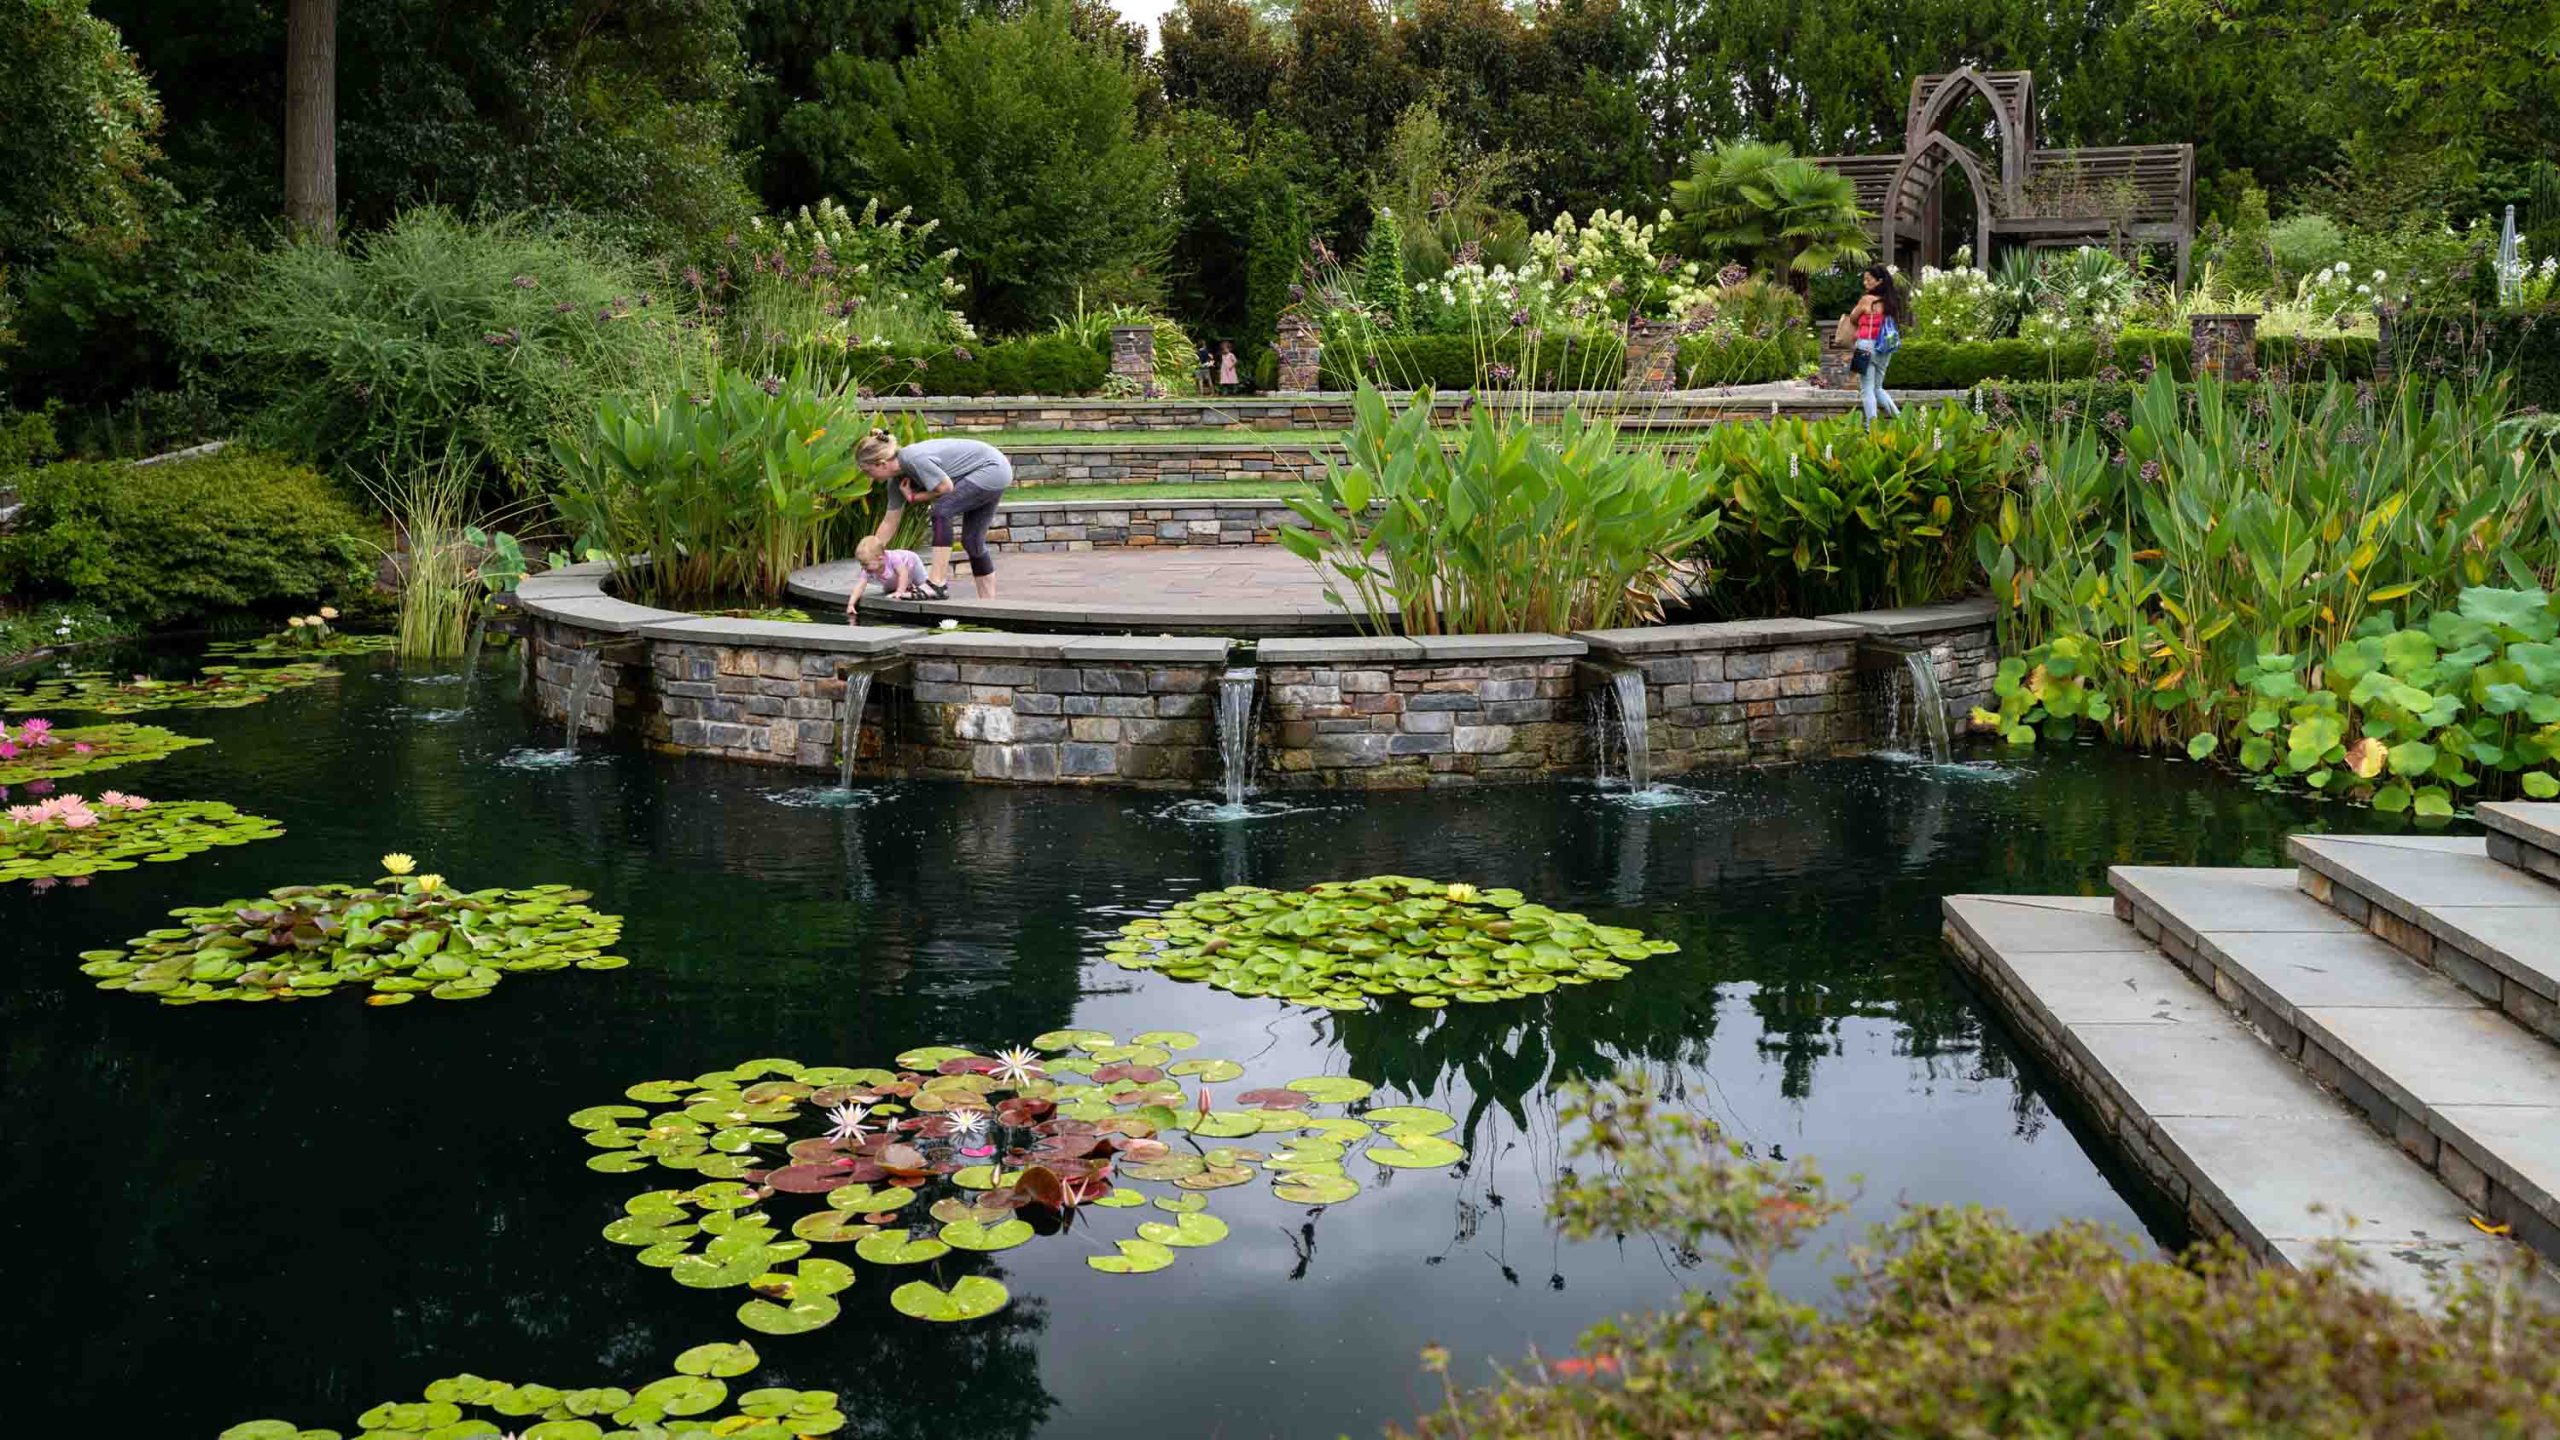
column 1763, row 204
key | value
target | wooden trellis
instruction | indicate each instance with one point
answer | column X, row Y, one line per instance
column 2118, row 197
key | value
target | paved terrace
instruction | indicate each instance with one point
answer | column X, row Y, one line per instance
column 1226, row 590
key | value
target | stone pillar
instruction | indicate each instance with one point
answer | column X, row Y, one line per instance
column 1133, row 352
column 1831, row 363
column 1653, row 355
column 1301, row 348
column 2384, row 364
column 2225, row 346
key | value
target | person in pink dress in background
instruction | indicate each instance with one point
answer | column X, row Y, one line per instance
column 1227, row 380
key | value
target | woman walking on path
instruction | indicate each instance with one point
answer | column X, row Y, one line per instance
column 962, row 478
column 1879, row 317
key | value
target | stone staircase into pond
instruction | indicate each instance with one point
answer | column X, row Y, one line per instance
column 2363, row 1048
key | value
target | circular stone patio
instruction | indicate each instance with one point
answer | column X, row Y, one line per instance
column 1238, row 590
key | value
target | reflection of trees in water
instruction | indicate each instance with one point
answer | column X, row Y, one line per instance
column 901, row 1379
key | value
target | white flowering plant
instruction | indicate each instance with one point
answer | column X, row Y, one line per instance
column 1959, row 304
column 827, row 276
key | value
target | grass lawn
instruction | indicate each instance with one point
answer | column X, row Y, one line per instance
column 1171, row 490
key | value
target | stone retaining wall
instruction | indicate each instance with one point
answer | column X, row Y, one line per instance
column 1397, row 713
column 1110, row 524
column 1352, row 713
column 1324, row 410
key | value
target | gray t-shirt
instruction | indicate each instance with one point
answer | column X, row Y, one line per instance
column 971, row 462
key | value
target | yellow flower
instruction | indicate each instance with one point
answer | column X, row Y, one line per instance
column 816, row 435
column 397, row 863
column 296, row 622
column 428, row 883
column 327, row 613
column 1462, row 893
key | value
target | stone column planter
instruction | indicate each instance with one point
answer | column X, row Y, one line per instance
column 1133, row 352
column 1653, row 356
column 2225, row 345
column 2384, row 364
column 1301, row 348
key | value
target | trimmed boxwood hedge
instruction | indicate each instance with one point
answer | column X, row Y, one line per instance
column 1452, row 363
column 1041, row 365
column 1925, row 364
column 2459, row 344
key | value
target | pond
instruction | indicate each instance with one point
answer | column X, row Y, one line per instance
column 221, row 1212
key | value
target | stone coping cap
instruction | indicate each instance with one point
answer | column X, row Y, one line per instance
column 1240, row 503
column 1723, row 635
column 986, row 645
column 1295, row 650
column 2534, row 822
column 785, row 635
column 1921, row 619
column 1497, row 647
column 1153, row 649
column 594, row 611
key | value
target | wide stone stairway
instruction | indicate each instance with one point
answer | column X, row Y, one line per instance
column 2364, row 1048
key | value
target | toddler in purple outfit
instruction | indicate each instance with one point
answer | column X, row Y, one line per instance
column 898, row 572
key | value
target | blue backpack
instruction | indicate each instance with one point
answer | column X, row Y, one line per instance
column 1888, row 339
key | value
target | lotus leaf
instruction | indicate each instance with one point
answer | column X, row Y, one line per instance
column 116, row 839
column 1343, row 944
column 221, row 687
column 971, row 1297
column 307, row 939
column 1136, row 1257
column 87, row 749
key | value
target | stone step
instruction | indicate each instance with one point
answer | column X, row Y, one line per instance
column 2248, row 1144
column 2524, row 834
column 2461, row 1088
column 2491, row 928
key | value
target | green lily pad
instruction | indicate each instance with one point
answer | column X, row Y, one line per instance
column 1411, row 1119
column 796, row 1316
column 110, row 837
column 723, row 1360
column 1309, row 1189
column 219, row 687
column 972, row 1235
column 1188, row 1232
column 85, row 750
column 1136, row 1257
column 1057, row 1040
column 682, row 1394
column 895, row 1247
column 1333, row 1089
column 1167, row 1039
column 1416, row 1152
column 1207, row 1072
column 971, row 1297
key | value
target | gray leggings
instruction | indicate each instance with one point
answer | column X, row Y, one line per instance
column 973, row 508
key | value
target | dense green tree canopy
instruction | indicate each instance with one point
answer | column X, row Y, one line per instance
column 77, row 125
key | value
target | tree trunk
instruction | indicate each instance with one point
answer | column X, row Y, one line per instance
column 311, row 119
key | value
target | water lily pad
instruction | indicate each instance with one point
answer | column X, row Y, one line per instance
column 896, row 1247
column 682, row 1394
column 1416, row 1152
column 1410, row 1119
column 107, row 837
column 1059, row 1040
column 1333, row 1089
column 1136, row 1257
column 724, row 1360
column 1208, row 1072
column 1309, row 1189
column 1167, row 1039
column 972, row 1297
column 973, row 1235
column 218, row 687
column 797, row 1315
column 59, row 754
column 831, row 1227
column 1185, row 1233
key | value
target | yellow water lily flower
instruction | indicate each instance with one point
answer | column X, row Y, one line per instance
column 328, row 613
column 396, row 863
column 1462, row 893
column 428, row 883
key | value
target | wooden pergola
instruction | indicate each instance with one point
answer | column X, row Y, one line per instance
column 2116, row 197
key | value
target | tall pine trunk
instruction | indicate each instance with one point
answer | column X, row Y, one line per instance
column 311, row 119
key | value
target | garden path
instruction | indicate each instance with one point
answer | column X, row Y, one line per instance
column 1226, row 589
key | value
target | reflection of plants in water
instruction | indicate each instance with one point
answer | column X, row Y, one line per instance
column 220, row 687
column 696, row 1400
column 956, row 1151
column 400, row 935
column 1343, row 943
column 64, row 836
column 35, row 749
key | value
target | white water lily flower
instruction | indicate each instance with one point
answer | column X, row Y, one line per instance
column 849, row 1123
column 1017, row 1066
column 967, row 1125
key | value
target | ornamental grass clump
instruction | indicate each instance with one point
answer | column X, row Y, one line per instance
column 1958, row 1323
column 1508, row 529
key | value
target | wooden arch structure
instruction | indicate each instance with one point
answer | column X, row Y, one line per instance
column 2119, row 197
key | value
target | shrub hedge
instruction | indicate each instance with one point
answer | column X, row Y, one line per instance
column 1455, row 364
column 2461, row 343
column 1925, row 364
column 185, row 539
column 1707, row 360
column 1040, row 365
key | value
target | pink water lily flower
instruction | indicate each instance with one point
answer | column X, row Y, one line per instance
column 36, row 731
column 27, row 815
column 8, row 751
column 82, row 747
column 122, row 801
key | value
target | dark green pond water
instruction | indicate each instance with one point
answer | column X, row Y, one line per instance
column 221, row 1212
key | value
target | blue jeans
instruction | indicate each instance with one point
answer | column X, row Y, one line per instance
column 1871, row 392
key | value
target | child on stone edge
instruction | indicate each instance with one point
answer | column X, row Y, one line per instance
column 898, row 572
